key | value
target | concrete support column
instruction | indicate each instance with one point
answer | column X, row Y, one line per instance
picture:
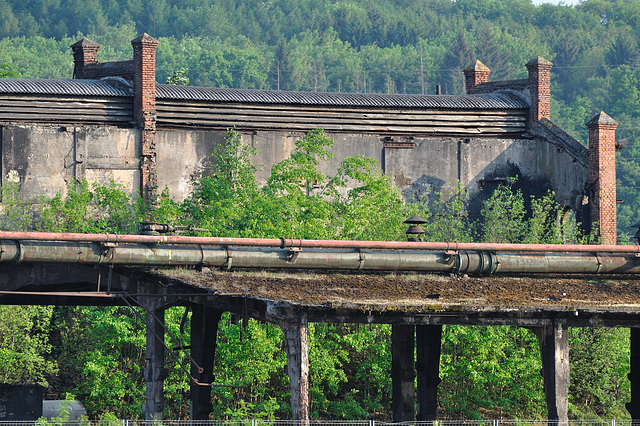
column 634, row 376
column 204, row 333
column 154, row 371
column 554, row 349
column 428, row 343
column 403, row 373
column 297, row 344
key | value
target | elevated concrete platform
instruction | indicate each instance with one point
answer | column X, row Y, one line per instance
column 414, row 298
column 416, row 304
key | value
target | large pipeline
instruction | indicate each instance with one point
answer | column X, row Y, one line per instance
column 469, row 262
column 300, row 243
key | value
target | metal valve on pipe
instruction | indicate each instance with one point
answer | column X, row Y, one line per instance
column 155, row 228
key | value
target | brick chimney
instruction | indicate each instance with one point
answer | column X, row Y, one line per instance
column 85, row 52
column 540, row 88
column 144, row 108
column 474, row 75
column 602, row 175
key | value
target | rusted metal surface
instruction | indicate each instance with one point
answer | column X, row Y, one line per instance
column 59, row 294
column 300, row 243
column 480, row 262
column 455, row 247
column 500, row 100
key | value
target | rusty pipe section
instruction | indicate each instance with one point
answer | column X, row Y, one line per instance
column 304, row 244
column 568, row 263
column 467, row 262
column 219, row 256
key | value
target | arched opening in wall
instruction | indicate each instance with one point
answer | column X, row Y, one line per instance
column 568, row 226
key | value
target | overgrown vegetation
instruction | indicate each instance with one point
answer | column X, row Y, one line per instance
column 98, row 353
column 389, row 46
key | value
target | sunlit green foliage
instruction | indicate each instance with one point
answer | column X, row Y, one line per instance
column 491, row 372
column 392, row 46
column 357, row 46
column 25, row 346
column 486, row 371
column 179, row 77
column 599, row 360
column 299, row 199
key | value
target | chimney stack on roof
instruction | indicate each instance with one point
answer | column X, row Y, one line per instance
column 85, row 52
column 540, row 88
column 602, row 175
column 144, row 108
column 475, row 74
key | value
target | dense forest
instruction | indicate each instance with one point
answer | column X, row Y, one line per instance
column 383, row 46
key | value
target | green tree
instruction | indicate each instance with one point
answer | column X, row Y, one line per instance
column 25, row 345
column 490, row 372
column 179, row 77
column 460, row 54
column 599, row 360
column 504, row 216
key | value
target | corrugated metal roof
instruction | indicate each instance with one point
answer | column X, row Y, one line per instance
column 501, row 100
column 113, row 86
column 104, row 87
column 493, row 86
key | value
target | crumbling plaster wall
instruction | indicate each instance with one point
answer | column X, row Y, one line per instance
column 417, row 166
column 46, row 159
column 481, row 164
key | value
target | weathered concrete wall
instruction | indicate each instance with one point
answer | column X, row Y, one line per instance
column 182, row 156
column 480, row 165
column 48, row 158
column 111, row 154
column 40, row 158
column 274, row 147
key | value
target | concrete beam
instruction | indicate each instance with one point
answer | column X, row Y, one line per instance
column 428, row 343
column 554, row 350
column 297, row 346
column 204, row 333
column 403, row 373
column 634, row 376
column 154, row 371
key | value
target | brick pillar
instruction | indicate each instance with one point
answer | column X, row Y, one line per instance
column 540, row 89
column 474, row 75
column 85, row 52
column 144, row 109
column 602, row 175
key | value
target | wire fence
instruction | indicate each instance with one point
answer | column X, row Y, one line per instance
column 256, row 422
